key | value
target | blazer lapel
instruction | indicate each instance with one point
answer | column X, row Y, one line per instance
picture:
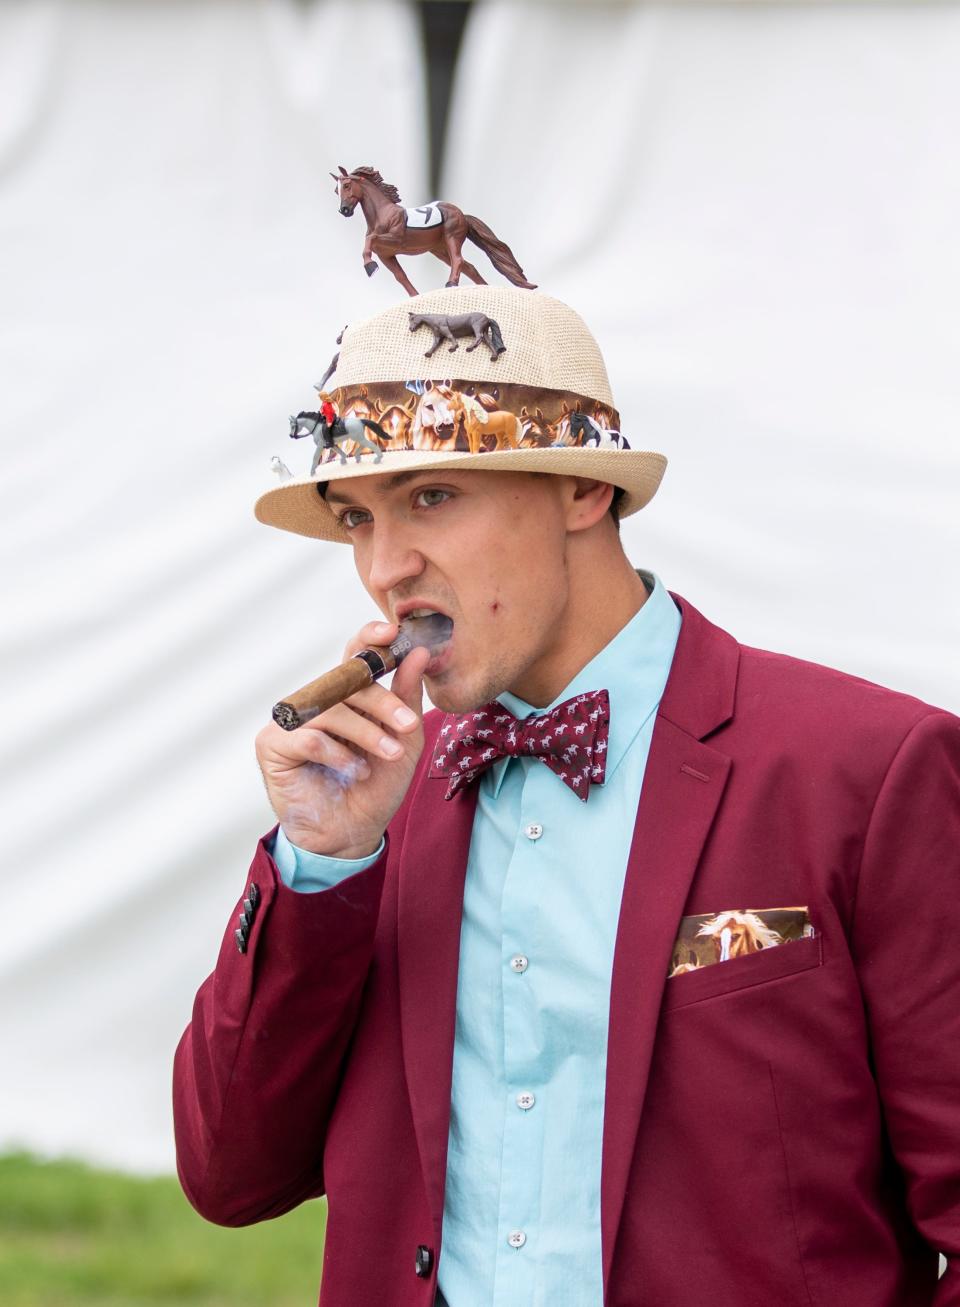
column 682, row 788
column 433, row 864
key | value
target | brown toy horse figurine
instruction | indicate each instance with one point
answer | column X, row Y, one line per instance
column 439, row 229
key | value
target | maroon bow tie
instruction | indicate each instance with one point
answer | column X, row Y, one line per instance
column 571, row 740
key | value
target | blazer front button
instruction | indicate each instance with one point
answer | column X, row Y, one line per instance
column 424, row 1260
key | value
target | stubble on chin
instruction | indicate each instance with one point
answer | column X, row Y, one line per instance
column 465, row 694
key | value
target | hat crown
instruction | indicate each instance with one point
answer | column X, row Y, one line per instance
column 548, row 345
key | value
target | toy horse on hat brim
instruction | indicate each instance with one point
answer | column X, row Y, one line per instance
column 327, row 437
column 584, row 431
column 390, row 234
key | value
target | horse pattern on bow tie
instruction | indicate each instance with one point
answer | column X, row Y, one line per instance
column 571, row 740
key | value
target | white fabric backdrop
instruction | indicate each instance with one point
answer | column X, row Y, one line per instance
column 754, row 208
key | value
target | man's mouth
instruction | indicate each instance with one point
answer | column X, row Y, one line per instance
column 430, row 628
column 410, row 608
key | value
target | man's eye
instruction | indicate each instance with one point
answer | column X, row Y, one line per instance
column 431, row 497
column 351, row 517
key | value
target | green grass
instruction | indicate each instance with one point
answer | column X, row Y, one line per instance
column 71, row 1235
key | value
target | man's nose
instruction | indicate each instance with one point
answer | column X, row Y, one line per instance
column 393, row 557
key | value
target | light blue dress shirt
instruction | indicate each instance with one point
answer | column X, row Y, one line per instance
column 545, row 873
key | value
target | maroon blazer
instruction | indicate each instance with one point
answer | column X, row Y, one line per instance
column 780, row 1128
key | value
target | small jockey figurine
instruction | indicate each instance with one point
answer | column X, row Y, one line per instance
column 327, row 411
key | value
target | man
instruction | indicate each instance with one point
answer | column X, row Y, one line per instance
column 626, row 977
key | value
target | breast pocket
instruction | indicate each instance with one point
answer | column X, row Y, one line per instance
column 759, row 968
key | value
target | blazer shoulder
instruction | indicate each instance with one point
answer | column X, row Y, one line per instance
column 764, row 670
column 748, row 682
column 831, row 710
column 719, row 686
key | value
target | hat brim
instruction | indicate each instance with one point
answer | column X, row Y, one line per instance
column 299, row 507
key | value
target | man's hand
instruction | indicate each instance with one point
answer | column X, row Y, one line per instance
column 336, row 781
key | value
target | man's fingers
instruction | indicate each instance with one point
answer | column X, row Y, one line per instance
column 290, row 749
column 338, row 757
column 385, row 706
column 374, row 633
column 407, row 682
column 407, row 687
column 368, row 721
column 370, row 736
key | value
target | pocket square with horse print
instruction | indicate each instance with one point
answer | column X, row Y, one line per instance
column 733, row 933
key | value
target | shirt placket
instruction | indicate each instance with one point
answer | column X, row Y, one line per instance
column 526, row 1087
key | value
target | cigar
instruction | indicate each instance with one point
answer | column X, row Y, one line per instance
column 361, row 670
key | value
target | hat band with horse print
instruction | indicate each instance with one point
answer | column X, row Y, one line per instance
column 455, row 415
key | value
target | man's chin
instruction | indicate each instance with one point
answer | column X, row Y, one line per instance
column 453, row 696
column 441, row 697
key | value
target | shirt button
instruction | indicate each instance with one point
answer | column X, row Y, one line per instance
column 526, row 1100
column 520, row 963
column 533, row 831
column 517, row 1239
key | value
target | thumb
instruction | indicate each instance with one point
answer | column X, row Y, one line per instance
column 408, row 679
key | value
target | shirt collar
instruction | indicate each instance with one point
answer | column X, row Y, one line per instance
column 633, row 669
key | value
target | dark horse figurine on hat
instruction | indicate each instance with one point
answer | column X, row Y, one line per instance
column 439, row 228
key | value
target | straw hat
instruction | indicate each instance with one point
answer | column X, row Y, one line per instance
column 532, row 396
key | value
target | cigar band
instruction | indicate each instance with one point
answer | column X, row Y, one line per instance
column 377, row 665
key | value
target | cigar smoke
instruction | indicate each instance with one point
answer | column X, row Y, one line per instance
column 428, row 632
column 431, row 631
column 319, row 786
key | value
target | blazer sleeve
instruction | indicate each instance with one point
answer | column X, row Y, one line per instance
column 257, row 1070
column 908, row 957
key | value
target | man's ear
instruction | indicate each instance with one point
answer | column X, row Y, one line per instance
column 588, row 504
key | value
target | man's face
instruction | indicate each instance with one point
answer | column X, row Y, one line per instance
column 488, row 549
